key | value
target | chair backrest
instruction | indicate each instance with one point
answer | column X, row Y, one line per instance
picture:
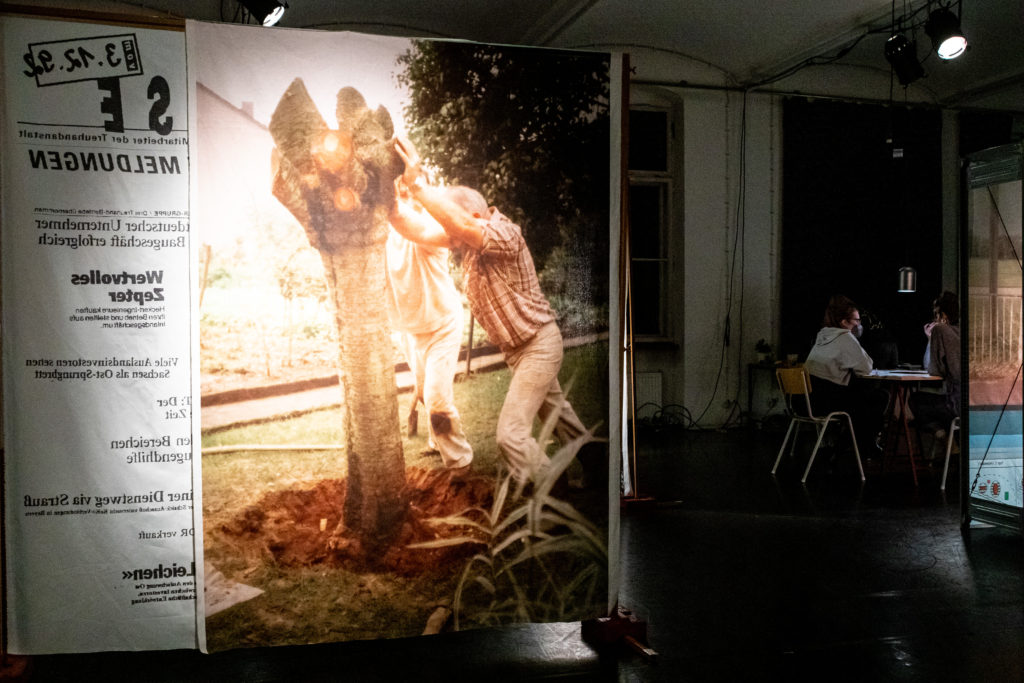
column 795, row 382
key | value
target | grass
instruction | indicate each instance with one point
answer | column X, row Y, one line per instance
column 319, row 427
column 312, row 605
column 484, row 392
column 233, row 481
column 318, row 604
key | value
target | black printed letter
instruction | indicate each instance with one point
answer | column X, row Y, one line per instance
column 159, row 89
column 112, row 105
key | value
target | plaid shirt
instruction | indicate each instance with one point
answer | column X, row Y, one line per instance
column 502, row 287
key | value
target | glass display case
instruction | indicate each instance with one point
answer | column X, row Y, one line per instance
column 991, row 472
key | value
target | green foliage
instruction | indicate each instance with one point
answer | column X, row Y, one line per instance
column 314, row 331
column 529, row 128
column 541, row 559
column 205, row 319
column 577, row 318
column 219, row 277
column 300, row 274
column 265, row 307
column 570, row 283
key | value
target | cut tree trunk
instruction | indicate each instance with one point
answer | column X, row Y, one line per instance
column 339, row 184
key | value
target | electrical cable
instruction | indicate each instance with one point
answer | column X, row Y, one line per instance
column 817, row 60
column 824, row 59
column 728, row 323
column 738, row 254
column 740, row 241
column 669, row 416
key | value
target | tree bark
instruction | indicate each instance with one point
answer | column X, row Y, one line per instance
column 339, row 184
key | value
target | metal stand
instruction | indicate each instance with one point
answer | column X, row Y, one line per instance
column 622, row 628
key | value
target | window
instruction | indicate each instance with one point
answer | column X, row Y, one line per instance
column 648, row 140
column 649, row 215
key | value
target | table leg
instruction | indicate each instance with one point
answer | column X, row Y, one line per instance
column 904, row 402
column 890, row 434
column 900, row 400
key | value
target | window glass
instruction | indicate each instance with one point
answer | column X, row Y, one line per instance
column 649, row 218
column 992, row 334
column 648, row 140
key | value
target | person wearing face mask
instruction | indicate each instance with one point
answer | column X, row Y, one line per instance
column 834, row 363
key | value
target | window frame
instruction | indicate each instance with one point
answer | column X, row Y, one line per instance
column 663, row 179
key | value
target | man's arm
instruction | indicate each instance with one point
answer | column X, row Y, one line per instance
column 417, row 227
column 457, row 222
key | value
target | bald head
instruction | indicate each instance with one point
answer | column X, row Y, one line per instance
column 468, row 198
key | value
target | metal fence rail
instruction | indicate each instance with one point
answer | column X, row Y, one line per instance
column 994, row 327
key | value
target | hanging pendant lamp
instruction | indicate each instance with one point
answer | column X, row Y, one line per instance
column 908, row 280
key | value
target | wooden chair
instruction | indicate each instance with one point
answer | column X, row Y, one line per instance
column 796, row 383
column 954, row 427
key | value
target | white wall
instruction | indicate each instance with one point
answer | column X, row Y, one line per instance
column 724, row 246
column 727, row 160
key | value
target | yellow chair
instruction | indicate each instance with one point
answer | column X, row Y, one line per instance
column 794, row 383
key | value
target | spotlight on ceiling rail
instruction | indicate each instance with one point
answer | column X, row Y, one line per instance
column 265, row 12
column 943, row 27
column 902, row 55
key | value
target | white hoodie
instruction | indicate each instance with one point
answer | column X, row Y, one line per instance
column 837, row 355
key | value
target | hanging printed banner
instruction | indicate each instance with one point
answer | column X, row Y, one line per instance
column 352, row 490
column 99, row 494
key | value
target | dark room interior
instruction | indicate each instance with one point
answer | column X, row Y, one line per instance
column 762, row 158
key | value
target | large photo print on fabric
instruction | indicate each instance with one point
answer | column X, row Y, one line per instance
column 99, row 544
column 403, row 308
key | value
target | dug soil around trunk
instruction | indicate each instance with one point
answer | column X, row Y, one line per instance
column 301, row 527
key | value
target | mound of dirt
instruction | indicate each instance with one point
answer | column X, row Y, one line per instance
column 300, row 527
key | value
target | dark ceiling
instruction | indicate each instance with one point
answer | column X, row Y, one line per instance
column 707, row 42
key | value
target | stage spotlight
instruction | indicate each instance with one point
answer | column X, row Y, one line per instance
column 266, row 12
column 902, row 55
column 943, row 27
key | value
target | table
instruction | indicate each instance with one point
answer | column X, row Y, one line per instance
column 898, row 409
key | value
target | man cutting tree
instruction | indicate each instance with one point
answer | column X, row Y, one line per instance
column 505, row 296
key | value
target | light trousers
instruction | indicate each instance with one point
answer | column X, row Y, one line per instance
column 534, row 391
column 433, row 358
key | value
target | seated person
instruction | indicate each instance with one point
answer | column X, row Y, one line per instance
column 933, row 410
column 833, row 363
